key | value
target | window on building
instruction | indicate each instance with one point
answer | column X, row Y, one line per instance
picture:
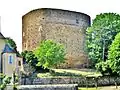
column 10, row 59
column 19, row 63
column 77, row 21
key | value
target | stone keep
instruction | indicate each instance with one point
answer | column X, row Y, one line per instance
column 63, row 26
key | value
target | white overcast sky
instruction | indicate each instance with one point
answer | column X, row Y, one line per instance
column 11, row 12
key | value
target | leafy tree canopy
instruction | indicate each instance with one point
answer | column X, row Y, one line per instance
column 100, row 36
column 50, row 54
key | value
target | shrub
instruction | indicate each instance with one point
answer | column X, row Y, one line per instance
column 50, row 54
column 31, row 60
column 5, row 80
column 114, row 55
column 104, row 68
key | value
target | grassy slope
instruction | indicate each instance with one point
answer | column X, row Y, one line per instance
column 69, row 73
column 78, row 72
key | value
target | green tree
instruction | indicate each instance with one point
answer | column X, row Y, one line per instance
column 30, row 58
column 114, row 55
column 50, row 54
column 100, row 36
column 12, row 43
column 23, row 54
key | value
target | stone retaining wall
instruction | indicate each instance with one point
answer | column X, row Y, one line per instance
column 49, row 87
column 90, row 81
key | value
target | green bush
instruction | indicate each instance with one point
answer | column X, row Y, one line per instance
column 5, row 80
column 114, row 55
column 112, row 65
column 31, row 60
column 50, row 54
column 104, row 68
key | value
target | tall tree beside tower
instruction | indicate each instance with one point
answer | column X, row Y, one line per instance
column 100, row 36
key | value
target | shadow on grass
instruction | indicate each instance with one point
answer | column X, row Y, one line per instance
column 53, row 73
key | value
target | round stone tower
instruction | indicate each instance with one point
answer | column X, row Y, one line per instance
column 63, row 26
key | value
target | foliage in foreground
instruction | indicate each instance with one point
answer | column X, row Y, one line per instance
column 5, row 80
column 50, row 54
column 100, row 36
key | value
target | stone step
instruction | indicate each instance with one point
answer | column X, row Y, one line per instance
column 49, row 87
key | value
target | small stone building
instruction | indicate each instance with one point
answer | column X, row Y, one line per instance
column 9, row 61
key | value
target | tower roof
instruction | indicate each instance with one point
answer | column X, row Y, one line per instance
column 1, row 36
column 8, row 49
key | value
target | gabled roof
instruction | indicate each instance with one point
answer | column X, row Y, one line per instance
column 1, row 36
column 8, row 49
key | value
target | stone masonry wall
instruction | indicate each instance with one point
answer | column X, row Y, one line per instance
column 66, row 27
column 49, row 87
column 81, row 81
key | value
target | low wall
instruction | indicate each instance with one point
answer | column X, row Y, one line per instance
column 49, row 87
column 81, row 81
column 9, row 87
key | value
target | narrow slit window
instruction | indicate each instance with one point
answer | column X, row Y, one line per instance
column 10, row 59
column 77, row 21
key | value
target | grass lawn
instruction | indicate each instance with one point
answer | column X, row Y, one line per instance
column 87, row 72
column 69, row 73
